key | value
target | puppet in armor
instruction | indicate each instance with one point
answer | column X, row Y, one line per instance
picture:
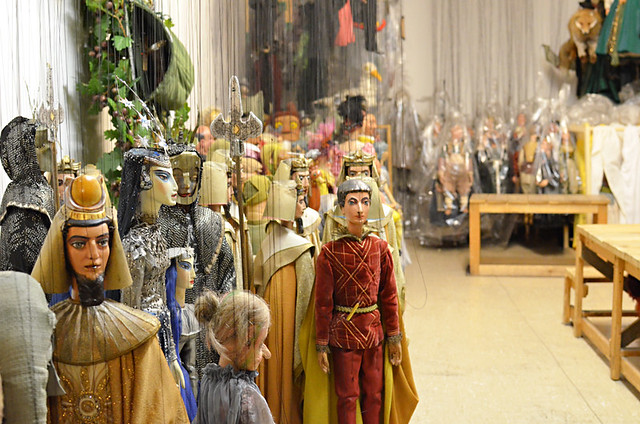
column 284, row 277
column 27, row 204
column 107, row 355
column 147, row 183
column 187, row 224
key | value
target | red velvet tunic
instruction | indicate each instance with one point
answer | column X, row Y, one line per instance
column 348, row 271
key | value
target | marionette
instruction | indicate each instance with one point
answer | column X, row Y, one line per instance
column 179, row 278
column 236, row 325
column 255, row 193
column 455, row 171
column 205, row 140
column 218, row 196
column 297, row 169
column 147, row 183
column 518, row 137
column 110, row 363
column 187, row 224
column 27, row 206
column 383, row 219
column 26, row 348
column 547, row 175
column 567, row 168
column 283, row 276
column 352, row 111
column 356, row 309
column 492, row 155
column 287, row 126
column 526, row 163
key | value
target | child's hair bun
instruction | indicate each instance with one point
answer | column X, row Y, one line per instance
column 206, row 307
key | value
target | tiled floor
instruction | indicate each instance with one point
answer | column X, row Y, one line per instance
column 494, row 350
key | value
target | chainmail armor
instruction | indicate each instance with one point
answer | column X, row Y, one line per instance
column 27, row 206
column 146, row 252
column 203, row 230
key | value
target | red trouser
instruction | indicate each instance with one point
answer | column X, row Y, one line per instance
column 353, row 370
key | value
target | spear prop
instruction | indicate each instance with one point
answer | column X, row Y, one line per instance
column 236, row 131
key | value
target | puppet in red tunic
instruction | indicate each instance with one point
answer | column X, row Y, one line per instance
column 355, row 293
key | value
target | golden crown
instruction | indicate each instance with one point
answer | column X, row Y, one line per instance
column 85, row 198
column 359, row 158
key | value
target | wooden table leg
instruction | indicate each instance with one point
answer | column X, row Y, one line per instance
column 578, row 284
column 566, row 301
column 474, row 238
column 601, row 216
column 616, row 319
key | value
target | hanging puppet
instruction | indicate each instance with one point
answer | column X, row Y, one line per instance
column 106, row 353
column 28, row 202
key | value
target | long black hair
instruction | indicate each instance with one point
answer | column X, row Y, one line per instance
column 135, row 178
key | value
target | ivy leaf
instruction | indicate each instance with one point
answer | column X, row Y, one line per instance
column 168, row 23
column 109, row 164
column 112, row 134
column 121, row 43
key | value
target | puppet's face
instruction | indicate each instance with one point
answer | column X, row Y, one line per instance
column 186, row 273
column 301, row 205
column 164, row 190
column 186, row 170
column 521, row 120
column 356, row 208
column 302, row 177
column 287, row 127
column 359, row 171
column 87, row 250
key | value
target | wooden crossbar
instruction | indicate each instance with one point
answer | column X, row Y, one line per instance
column 595, row 205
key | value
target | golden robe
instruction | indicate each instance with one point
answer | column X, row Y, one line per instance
column 284, row 277
column 111, row 367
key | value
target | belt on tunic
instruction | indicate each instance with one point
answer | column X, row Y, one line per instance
column 356, row 309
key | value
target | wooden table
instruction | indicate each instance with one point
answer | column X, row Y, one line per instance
column 612, row 249
column 527, row 203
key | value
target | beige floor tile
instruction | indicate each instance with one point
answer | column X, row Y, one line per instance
column 493, row 349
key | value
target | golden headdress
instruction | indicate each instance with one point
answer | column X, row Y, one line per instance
column 359, row 158
column 84, row 205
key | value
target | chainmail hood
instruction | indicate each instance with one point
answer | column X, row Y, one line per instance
column 18, row 150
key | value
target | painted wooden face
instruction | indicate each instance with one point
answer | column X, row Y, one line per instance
column 88, row 250
column 301, row 205
column 164, row 190
column 303, row 178
column 287, row 127
column 356, row 208
column 186, row 272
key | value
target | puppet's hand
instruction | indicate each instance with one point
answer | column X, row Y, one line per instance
column 323, row 361
column 177, row 373
column 395, row 353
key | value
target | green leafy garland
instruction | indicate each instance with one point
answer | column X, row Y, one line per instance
column 107, row 50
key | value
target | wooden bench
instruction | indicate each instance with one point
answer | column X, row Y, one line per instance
column 527, row 204
column 590, row 275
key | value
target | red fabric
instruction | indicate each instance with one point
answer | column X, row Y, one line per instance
column 350, row 379
column 345, row 32
column 350, row 271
